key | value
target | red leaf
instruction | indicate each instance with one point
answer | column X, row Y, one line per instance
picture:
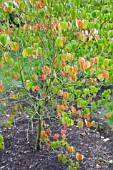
column 38, row 26
column 45, row 27
column 56, row 136
column 63, row 132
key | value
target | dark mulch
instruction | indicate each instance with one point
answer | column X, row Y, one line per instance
column 20, row 153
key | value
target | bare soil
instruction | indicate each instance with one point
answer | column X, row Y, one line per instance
column 20, row 153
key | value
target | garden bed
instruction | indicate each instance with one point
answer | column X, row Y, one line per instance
column 20, row 153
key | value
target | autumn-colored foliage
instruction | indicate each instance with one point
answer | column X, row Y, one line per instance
column 58, row 55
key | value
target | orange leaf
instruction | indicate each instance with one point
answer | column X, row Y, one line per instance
column 33, row 88
column 86, row 65
column 81, row 62
column 48, row 131
column 105, row 76
column 17, row 1
column 46, row 70
column 78, row 34
column 1, row 65
column 75, row 68
column 56, row 136
column 65, row 95
column 87, row 116
column 34, row 77
column 16, row 46
column 79, row 157
column 62, row 107
column 89, row 98
column 73, row 110
column 1, row 87
column 92, row 61
column 43, row 135
column 55, row 63
column 88, row 124
column 83, row 38
column 5, row 8
column 36, row 88
column 59, row 115
column 12, row 116
column 79, row 24
column 71, row 149
column 2, row 30
column 71, row 58
column 108, row 115
column 65, row 102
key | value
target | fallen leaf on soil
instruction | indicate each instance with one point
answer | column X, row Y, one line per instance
column 79, row 157
column 83, row 134
column 98, row 166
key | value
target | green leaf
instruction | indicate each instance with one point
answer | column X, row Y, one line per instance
column 29, row 50
column 77, row 165
column 70, row 167
column 16, row 66
column 60, row 7
column 11, row 62
column 2, row 146
column 80, row 124
column 29, row 85
column 7, row 124
column 39, row 50
column 64, row 159
column 58, row 143
column 59, row 157
column 64, row 114
column 4, row 39
column 78, row 92
column 35, row 45
column 10, row 8
column 54, row 145
column 72, row 122
column 1, row 138
column 64, row 25
column 64, row 120
column 21, row 5
column 85, row 24
column 16, row 20
column 59, row 42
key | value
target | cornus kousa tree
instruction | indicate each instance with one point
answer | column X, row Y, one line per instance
column 58, row 55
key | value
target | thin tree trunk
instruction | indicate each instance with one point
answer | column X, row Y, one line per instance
column 38, row 139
